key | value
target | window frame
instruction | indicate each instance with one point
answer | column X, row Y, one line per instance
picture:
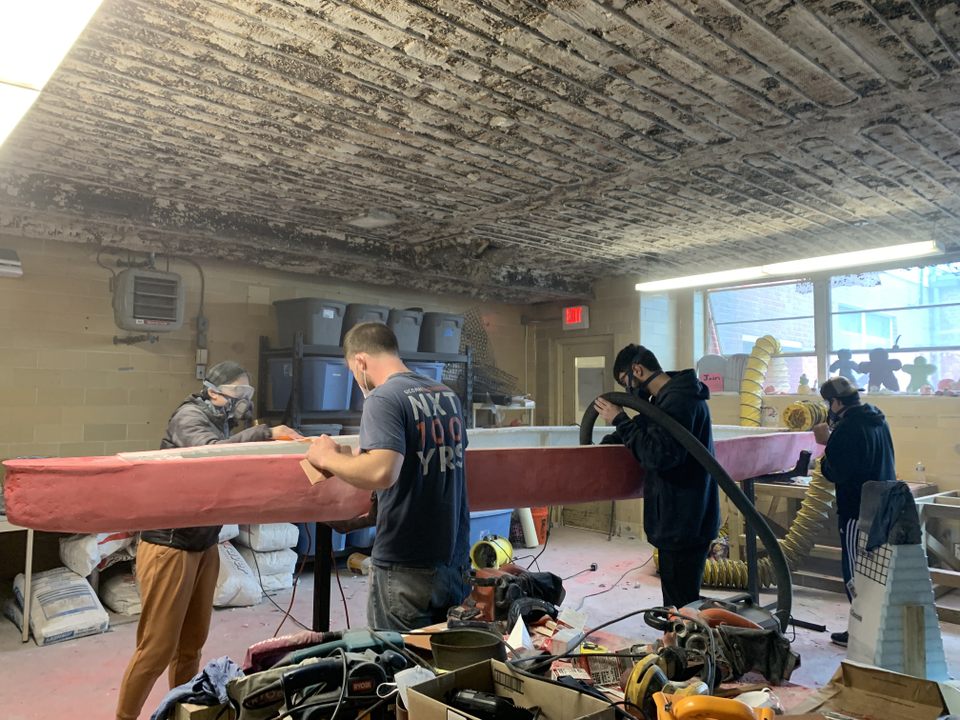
column 823, row 312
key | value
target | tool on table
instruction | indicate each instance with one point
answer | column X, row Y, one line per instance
column 488, row 706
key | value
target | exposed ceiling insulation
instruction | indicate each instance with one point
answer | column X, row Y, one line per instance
column 511, row 149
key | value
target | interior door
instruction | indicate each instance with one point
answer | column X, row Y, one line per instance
column 586, row 371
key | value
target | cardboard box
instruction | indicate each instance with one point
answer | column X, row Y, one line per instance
column 427, row 700
column 189, row 711
column 862, row 691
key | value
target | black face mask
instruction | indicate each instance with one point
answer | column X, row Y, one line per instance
column 640, row 390
column 833, row 418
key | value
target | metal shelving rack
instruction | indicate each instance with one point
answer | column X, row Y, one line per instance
column 294, row 415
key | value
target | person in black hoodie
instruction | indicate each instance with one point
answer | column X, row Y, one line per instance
column 681, row 501
column 858, row 448
column 177, row 568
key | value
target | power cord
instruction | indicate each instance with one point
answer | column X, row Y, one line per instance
column 343, row 595
column 614, row 585
column 592, row 568
column 286, row 613
column 536, row 557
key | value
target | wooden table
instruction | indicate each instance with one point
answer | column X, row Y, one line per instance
column 6, row 527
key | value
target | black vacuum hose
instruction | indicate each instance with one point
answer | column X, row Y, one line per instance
column 709, row 463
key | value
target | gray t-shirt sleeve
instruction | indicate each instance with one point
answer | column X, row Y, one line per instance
column 382, row 425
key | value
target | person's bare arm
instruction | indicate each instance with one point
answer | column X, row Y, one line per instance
column 371, row 470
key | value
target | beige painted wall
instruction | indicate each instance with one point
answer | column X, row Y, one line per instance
column 67, row 390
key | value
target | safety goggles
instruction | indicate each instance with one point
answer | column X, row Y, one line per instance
column 238, row 392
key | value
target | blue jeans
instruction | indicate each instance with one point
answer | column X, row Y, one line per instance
column 405, row 598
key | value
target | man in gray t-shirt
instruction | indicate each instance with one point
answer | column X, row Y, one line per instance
column 412, row 443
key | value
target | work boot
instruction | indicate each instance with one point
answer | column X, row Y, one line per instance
column 840, row 638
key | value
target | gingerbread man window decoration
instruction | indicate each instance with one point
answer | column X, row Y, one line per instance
column 881, row 370
column 919, row 371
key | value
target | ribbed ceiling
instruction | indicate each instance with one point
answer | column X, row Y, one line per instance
column 525, row 148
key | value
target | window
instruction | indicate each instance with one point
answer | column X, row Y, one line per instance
column 913, row 313
column 738, row 316
column 920, row 306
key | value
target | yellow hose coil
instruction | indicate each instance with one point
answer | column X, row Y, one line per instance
column 797, row 545
column 751, row 384
column 804, row 414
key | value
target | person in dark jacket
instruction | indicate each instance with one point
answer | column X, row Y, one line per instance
column 681, row 502
column 858, row 448
column 177, row 567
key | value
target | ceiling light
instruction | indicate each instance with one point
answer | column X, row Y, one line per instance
column 374, row 219
column 34, row 38
column 14, row 103
column 10, row 265
column 858, row 258
column 715, row 278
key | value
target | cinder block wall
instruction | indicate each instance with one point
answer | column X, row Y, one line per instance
column 67, row 390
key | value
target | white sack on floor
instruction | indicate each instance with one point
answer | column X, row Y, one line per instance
column 63, row 606
column 237, row 585
column 83, row 553
column 228, row 532
column 270, row 536
column 275, row 583
column 120, row 593
column 275, row 562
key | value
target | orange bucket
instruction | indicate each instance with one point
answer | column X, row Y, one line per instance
column 541, row 522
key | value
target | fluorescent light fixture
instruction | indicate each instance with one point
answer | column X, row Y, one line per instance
column 857, row 258
column 14, row 103
column 35, row 35
column 10, row 265
column 374, row 219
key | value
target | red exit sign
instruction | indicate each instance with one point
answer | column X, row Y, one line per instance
column 576, row 317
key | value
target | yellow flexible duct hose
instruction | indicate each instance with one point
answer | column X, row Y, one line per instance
column 797, row 545
column 751, row 384
column 804, row 414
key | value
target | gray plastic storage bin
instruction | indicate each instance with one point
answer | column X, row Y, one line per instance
column 440, row 333
column 320, row 321
column 406, row 326
column 432, row 370
column 357, row 313
column 325, row 384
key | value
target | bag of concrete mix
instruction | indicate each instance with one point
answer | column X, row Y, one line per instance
column 274, row 562
column 63, row 606
column 273, row 584
column 269, row 536
column 228, row 532
column 237, row 584
column 84, row 553
column 120, row 593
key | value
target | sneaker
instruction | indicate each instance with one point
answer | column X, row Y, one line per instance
column 840, row 638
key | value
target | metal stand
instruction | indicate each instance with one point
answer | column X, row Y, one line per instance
column 753, row 576
column 322, row 567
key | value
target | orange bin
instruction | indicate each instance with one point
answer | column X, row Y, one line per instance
column 541, row 521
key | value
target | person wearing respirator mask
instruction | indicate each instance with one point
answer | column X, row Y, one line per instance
column 681, row 508
column 177, row 568
column 859, row 447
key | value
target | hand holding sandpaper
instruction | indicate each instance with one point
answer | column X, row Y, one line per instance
column 320, row 449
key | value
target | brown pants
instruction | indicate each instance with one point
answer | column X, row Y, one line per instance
column 176, row 594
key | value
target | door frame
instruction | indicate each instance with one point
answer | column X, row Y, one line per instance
column 558, row 346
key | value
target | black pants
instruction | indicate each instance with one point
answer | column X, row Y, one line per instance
column 681, row 572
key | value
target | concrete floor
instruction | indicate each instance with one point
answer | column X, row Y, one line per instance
column 79, row 679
